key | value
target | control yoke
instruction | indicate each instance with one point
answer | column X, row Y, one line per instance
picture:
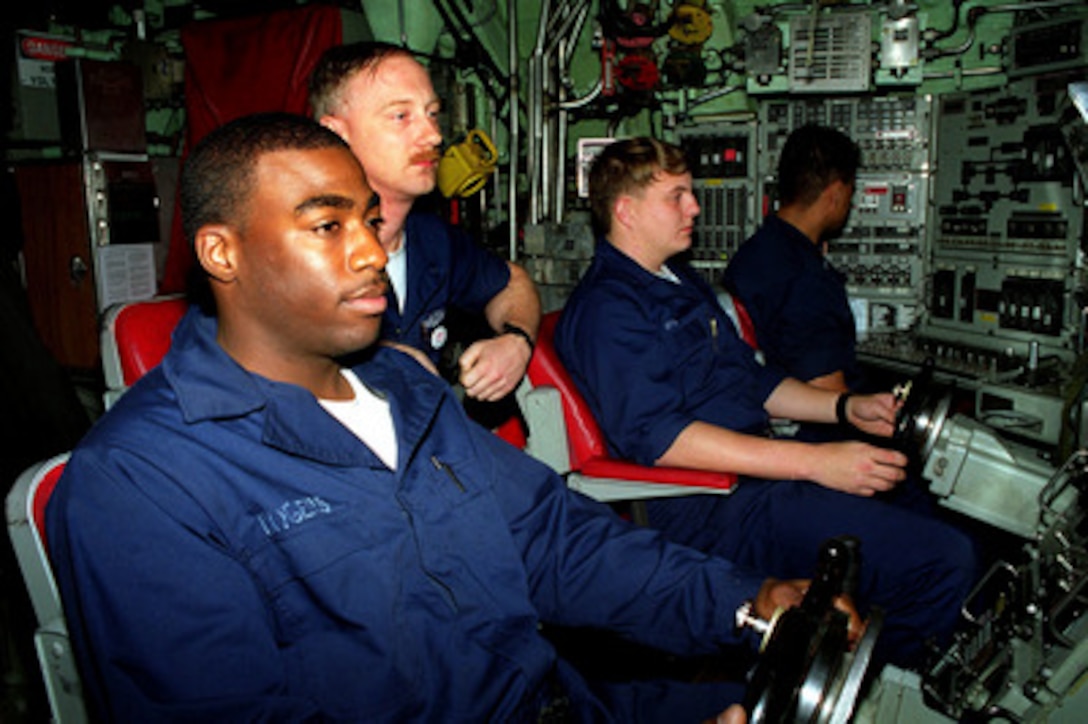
column 806, row 672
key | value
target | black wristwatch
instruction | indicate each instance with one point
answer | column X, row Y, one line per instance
column 516, row 330
column 840, row 408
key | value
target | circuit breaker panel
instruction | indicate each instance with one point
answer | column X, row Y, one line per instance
column 722, row 159
column 1006, row 229
column 1001, row 289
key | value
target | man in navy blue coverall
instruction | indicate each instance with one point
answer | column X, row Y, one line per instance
column 671, row 383
column 796, row 299
column 380, row 100
column 256, row 533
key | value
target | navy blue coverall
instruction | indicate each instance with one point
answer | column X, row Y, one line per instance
column 797, row 302
column 651, row 357
column 227, row 551
column 446, row 268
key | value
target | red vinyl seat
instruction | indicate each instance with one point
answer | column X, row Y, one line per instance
column 135, row 338
column 564, row 433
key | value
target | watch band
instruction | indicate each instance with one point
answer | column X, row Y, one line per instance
column 508, row 328
column 840, row 408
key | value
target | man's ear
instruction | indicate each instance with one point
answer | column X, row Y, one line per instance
column 829, row 198
column 335, row 124
column 215, row 247
column 843, row 190
column 622, row 210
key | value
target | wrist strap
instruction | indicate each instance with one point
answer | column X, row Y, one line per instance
column 840, row 408
column 508, row 328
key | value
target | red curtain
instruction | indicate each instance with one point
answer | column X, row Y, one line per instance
column 239, row 66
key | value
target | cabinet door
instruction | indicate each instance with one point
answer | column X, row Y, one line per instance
column 59, row 261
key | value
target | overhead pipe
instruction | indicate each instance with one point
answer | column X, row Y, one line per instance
column 535, row 115
column 593, row 94
column 559, row 188
column 564, row 50
column 547, row 123
column 569, row 23
column 514, row 123
column 543, row 134
column 548, row 137
column 572, row 31
column 454, row 18
column 555, row 27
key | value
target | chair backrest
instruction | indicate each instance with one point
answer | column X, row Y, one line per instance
column 135, row 338
column 584, row 436
column 737, row 312
column 25, row 511
column 747, row 328
column 512, row 431
column 26, row 526
column 564, row 434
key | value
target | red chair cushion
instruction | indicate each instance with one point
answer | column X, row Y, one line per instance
column 142, row 331
column 622, row 470
column 584, row 435
column 512, row 432
column 588, row 451
column 41, row 494
column 747, row 328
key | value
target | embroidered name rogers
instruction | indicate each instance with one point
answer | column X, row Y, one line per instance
column 292, row 513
